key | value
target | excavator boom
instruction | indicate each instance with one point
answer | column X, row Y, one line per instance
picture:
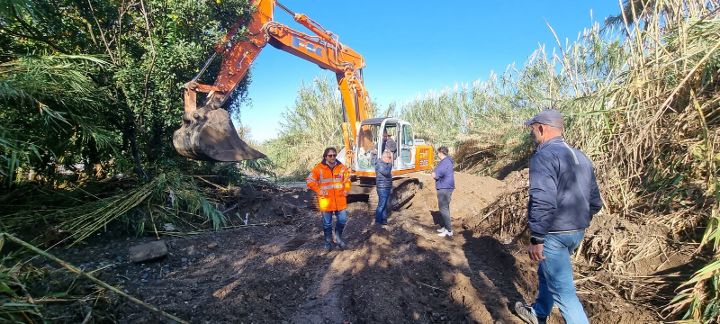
column 207, row 132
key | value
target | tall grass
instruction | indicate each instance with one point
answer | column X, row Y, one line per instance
column 307, row 128
column 50, row 108
column 487, row 114
column 168, row 198
column 643, row 100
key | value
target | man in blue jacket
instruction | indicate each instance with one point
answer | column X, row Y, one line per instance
column 383, row 183
column 564, row 196
column 444, row 184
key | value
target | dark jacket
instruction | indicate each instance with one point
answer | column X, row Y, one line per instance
column 564, row 194
column 383, row 175
column 390, row 145
column 444, row 174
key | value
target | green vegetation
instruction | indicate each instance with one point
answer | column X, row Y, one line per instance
column 307, row 129
column 643, row 101
column 90, row 95
column 641, row 97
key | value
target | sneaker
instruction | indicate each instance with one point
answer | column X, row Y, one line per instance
column 440, row 230
column 526, row 313
column 445, row 233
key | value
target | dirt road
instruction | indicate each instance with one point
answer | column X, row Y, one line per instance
column 280, row 273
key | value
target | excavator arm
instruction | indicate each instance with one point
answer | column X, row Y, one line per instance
column 208, row 134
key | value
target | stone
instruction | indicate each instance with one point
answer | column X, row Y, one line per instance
column 148, row 251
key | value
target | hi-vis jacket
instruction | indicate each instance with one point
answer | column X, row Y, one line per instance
column 330, row 185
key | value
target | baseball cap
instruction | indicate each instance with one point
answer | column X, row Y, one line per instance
column 550, row 117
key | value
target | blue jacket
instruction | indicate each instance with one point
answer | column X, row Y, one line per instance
column 444, row 174
column 383, row 175
column 564, row 194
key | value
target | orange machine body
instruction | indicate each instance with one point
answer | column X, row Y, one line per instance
column 323, row 49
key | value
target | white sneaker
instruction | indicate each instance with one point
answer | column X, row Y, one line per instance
column 445, row 233
column 440, row 230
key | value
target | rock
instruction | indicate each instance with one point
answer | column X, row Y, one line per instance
column 296, row 196
column 212, row 245
column 148, row 251
column 170, row 227
column 184, row 260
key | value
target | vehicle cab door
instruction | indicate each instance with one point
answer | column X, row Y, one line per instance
column 406, row 147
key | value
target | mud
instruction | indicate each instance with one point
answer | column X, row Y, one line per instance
column 280, row 273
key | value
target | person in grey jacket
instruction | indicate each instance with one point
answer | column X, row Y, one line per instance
column 444, row 176
column 383, row 183
column 563, row 197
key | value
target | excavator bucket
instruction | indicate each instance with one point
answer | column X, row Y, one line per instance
column 208, row 134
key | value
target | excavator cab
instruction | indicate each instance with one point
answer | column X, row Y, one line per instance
column 208, row 134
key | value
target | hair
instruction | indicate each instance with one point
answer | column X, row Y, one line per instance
column 443, row 150
column 327, row 150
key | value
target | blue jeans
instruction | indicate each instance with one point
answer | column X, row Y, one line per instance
column 341, row 216
column 555, row 278
column 383, row 205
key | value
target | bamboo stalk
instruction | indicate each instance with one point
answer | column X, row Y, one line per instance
column 90, row 277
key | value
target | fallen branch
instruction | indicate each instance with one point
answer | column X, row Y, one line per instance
column 429, row 286
column 90, row 277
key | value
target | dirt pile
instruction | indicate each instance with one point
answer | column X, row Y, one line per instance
column 279, row 272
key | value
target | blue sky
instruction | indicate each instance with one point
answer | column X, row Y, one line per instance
column 412, row 47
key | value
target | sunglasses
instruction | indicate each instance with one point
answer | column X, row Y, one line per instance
column 330, row 155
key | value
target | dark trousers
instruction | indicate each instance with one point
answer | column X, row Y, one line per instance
column 443, row 196
column 383, row 205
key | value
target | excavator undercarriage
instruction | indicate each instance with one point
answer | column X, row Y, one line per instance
column 403, row 190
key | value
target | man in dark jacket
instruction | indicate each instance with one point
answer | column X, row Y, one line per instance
column 564, row 196
column 383, row 183
column 444, row 184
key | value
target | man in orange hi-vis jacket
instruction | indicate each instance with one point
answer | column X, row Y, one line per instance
column 330, row 180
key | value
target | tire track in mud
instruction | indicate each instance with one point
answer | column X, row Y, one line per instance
column 393, row 264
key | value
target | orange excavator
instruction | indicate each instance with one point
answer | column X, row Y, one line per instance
column 208, row 134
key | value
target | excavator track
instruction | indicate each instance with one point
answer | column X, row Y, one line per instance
column 404, row 189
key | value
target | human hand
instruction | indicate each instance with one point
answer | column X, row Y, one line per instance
column 536, row 252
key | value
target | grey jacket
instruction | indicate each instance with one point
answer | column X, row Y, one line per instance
column 564, row 194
